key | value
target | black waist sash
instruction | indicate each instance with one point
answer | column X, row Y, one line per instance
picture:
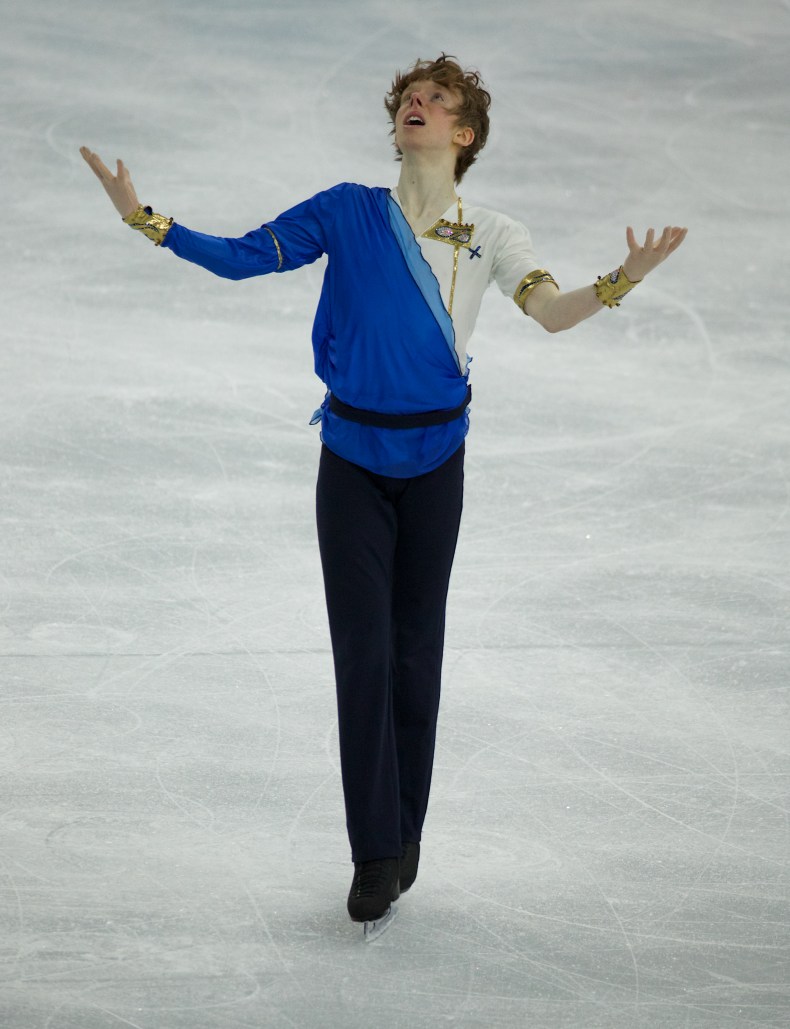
column 421, row 420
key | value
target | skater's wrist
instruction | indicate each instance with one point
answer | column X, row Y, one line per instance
column 610, row 289
column 630, row 272
column 145, row 220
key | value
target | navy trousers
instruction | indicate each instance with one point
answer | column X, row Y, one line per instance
column 387, row 548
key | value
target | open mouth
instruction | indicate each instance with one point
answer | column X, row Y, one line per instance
column 414, row 119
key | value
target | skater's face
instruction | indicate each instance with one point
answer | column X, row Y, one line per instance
column 426, row 119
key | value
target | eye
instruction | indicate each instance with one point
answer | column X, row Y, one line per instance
column 438, row 96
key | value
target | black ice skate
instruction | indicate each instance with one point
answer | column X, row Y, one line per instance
column 409, row 860
column 373, row 892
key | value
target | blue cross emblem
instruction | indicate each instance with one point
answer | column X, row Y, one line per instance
column 475, row 253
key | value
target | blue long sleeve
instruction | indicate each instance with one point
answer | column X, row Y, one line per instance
column 242, row 258
column 295, row 238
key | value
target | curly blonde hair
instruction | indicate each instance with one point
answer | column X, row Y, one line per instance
column 472, row 111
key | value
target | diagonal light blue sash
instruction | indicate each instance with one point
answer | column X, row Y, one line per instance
column 422, row 273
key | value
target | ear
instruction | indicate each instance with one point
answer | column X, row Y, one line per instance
column 464, row 137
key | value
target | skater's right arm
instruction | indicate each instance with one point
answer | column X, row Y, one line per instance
column 257, row 253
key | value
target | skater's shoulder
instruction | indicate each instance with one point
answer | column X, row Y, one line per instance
column 488, row 213
column 504, row 229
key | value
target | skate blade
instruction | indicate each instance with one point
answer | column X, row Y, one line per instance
column 373, row 930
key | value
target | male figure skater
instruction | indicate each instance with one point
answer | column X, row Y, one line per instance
column 406, row 272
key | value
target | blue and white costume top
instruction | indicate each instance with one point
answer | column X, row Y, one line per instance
column 395, row 312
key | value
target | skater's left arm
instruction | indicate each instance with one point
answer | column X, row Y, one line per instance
column 555, row 310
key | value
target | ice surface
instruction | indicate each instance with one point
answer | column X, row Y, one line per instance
column 608, row 842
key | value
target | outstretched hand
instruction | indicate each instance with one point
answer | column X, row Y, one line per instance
column 118, row 187
column 643, row 259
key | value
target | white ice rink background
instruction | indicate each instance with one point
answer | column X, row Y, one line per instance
column 608, row 843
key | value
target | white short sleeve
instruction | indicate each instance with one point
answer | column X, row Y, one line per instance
column 514, row 258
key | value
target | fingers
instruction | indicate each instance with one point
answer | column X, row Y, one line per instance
column 670, row 239
column 678, row 235
column 642, row 260
column 118, row 187
column 101, row 170
column 97, row 165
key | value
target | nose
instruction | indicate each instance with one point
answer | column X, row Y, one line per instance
column 416, row 98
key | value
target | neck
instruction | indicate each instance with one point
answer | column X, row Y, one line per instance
column 425, row 189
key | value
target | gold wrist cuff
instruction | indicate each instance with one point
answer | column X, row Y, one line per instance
column 529, row 282
column 610, row 289
column 154, row 226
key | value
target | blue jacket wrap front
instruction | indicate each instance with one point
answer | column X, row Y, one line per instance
column 382, row 338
